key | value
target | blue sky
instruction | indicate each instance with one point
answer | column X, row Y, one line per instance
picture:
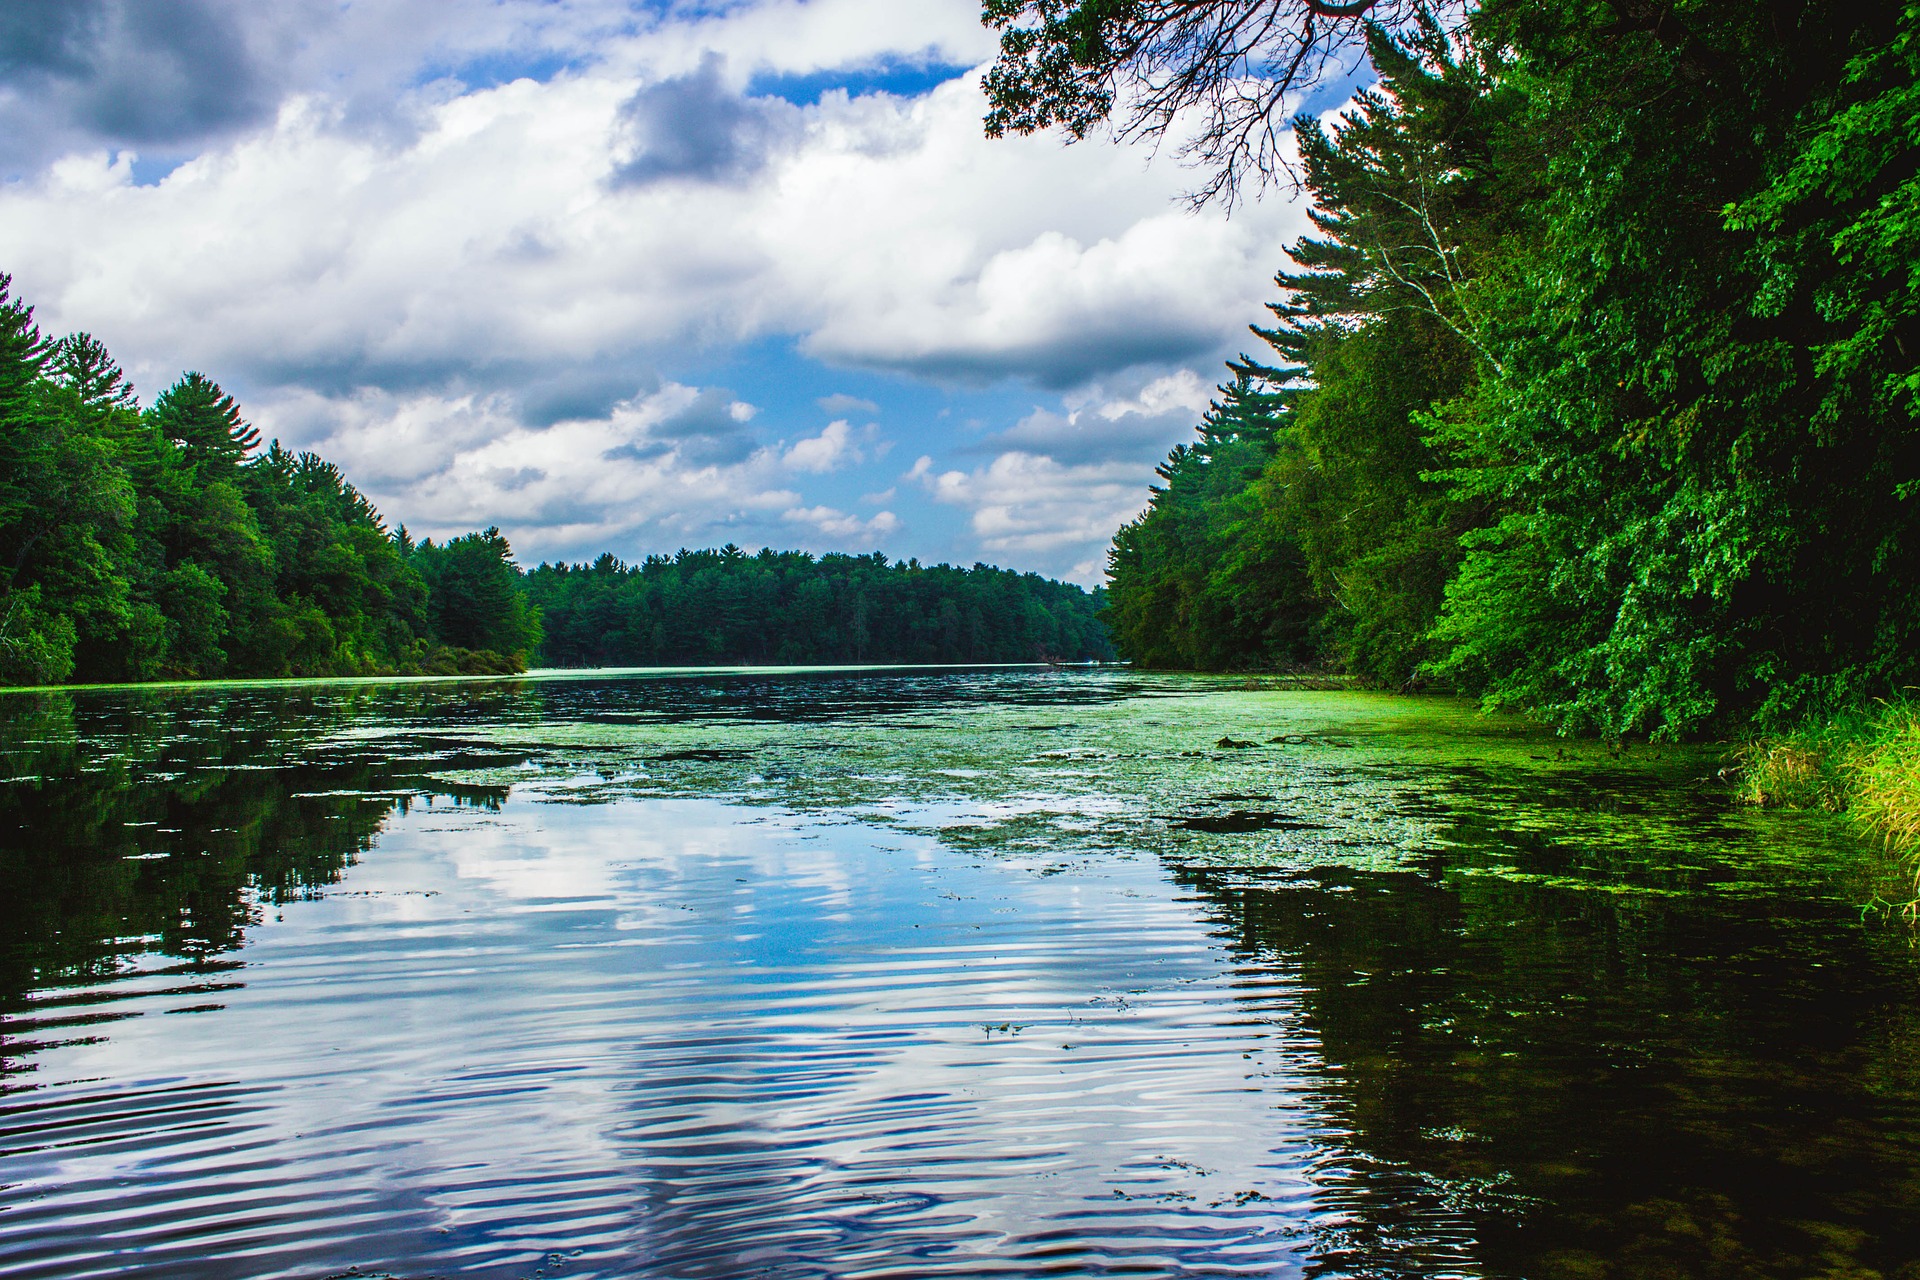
column 628, row 277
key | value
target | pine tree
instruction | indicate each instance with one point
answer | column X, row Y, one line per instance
column 203, row 420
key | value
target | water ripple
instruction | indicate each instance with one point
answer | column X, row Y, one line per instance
column 455, row 985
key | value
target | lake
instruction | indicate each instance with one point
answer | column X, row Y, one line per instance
column 905, row 972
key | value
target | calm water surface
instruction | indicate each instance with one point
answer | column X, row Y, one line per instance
column 910, row 974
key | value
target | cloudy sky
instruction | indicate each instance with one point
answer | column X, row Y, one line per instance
column 629, row 276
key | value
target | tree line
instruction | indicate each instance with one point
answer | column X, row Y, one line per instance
column 163, row 542
column 1594, row 390
column 786, row 607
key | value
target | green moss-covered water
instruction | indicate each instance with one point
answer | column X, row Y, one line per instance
column 906, row 973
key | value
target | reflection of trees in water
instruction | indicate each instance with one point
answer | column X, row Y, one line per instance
column 1541, row 1081
column 1521, row 1079
column 851, row 695
column 157, row 822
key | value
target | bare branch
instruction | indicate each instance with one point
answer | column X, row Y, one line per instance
column 1219, row 76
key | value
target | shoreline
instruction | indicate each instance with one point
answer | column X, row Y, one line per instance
column 1863, row 763
column 533, row 673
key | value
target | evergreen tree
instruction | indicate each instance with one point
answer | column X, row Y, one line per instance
column 204, row 422
column 474, row 597
column 787, row 607
column 1609, row 332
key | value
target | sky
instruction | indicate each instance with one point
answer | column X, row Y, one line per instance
column 622, row 276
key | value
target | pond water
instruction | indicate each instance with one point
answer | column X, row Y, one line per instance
column 911, row 973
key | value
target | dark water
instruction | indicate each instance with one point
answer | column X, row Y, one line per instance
column 905, row 974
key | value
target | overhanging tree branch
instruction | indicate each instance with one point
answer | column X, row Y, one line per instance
column 1221, row 77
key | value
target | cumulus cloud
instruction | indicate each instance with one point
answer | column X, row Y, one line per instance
column 841, row 526
column 1055, row 516
column 173, row 75
column 796, row 37
column 1060, row 483
column 696, row 127
column 1180, row 393
column 832, row 448
column 491, row 249
column 671, row 466
column 463, row 282
column 674, row 465
column 1100, row 426
column 709, row 429
column 158, row 71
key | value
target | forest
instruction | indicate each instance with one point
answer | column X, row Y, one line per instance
column 786, row 607
column 163, row 542
column 1593, row 391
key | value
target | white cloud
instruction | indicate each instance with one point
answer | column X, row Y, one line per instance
column 841, row 525
column 670, row 467
column 662, row 469
column 463, row 295
column 1101, row 424
column 1058, row 517
column 490, row 246
column 800, row 36
column 187, row 73
column 832, row 448
column 1181, row 392
column 383, row 440
column 1061, row 483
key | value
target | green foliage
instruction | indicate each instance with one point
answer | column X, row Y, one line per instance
column 474, row 596
column 1701, row 523
column 1380, row 540
column 1837, row 227
column 1603, row 371
column 204, row 423
column 189, row 598
column 1865, row 762
column 139, row 545
column 1054, row 71
column 64, row 503
column 727, row 607
column 36, row 647
column 1326, row 486
column 1201, row 579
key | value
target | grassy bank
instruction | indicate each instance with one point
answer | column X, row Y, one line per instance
column 1865, row 763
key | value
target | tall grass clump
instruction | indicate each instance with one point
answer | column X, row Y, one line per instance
column 1885, row 773
column 1865, row 763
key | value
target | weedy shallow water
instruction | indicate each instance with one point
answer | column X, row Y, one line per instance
column 916, row 973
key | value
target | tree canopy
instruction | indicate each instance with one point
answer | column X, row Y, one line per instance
column 1594, row 390
column 140, row 544
column 727, row 607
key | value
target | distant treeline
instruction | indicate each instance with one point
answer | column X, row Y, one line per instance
column 1596, row 390
column 786, row 607
column 164, row 543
